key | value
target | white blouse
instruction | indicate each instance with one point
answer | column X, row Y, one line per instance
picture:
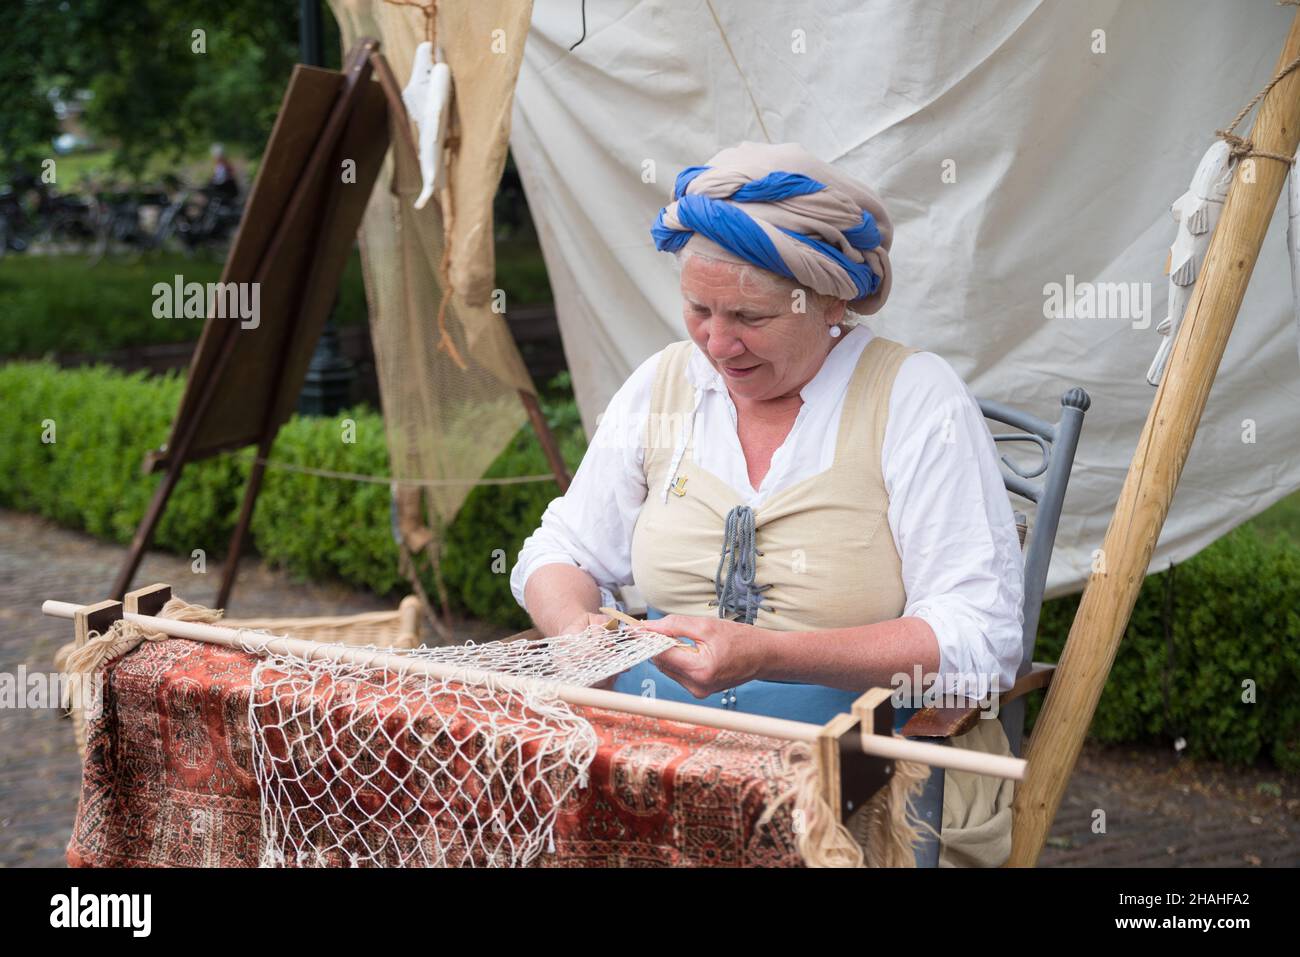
column 948, row 507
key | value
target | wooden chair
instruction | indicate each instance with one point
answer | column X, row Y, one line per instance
column 1045, row 486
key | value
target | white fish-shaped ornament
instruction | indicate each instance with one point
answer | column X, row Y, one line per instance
column 428, row 98
column 1197, row 213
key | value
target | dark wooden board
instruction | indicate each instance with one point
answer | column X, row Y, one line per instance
column 299, row 280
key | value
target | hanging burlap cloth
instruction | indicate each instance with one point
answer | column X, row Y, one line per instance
column 449, row 378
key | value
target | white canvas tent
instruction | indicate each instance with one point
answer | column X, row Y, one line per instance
column 1066, row 160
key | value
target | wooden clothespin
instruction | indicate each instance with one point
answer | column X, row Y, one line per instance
column 617, row 616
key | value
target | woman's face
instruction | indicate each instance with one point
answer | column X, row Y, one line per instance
column 760, row 345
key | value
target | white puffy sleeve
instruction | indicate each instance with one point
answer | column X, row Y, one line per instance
column 590, row 526
column 952, row 522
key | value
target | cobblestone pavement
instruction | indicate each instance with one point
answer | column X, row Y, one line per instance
column 1158, row 810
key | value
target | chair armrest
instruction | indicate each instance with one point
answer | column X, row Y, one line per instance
column 952, row 722
column 942, row 722
column 1038, row 676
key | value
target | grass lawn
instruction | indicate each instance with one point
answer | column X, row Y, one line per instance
column 62, row 304
column 1282, row 520
column 96, row 166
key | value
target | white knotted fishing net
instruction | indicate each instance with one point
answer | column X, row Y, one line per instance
column 425, row 757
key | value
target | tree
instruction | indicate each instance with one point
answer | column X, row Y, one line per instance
column 26, row 116
column 168, row 76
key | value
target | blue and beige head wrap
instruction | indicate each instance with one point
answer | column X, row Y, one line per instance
column 779, row 207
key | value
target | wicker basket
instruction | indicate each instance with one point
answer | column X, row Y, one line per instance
column 385, row 629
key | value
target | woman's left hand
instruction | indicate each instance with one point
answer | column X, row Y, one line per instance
column 726, row 653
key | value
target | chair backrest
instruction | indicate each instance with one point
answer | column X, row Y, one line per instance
column 1044, row 485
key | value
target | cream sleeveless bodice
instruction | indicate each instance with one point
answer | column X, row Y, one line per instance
column 824, row 544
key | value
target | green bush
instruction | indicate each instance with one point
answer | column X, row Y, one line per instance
column 1227, row 616
column 315, row 528
column 481, row 545
column 89, row 476
column 325, row 528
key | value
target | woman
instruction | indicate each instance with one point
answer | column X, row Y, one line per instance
column 818, row 509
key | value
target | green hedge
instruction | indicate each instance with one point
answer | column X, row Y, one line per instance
column 1229, row 614
column 316, row 528
column 1199, row 631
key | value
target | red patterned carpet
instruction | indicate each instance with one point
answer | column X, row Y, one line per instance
column 169, row 779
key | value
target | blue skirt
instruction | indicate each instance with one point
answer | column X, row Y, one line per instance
column 815, row 704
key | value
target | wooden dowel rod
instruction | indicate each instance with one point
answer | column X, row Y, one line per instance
column 902, row 749
column 255, row 643
column 1157, row 464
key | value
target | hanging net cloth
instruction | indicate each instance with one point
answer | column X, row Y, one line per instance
column 376, row 761
column 449, row 372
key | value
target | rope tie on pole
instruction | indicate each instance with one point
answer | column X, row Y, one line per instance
column 1243, row 146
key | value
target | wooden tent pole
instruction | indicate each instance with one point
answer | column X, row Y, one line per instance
column 1157, row 464
column 178, row 455
column 256, row 471
column 546, row 437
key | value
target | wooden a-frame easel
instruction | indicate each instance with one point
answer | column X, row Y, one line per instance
column 294, row 240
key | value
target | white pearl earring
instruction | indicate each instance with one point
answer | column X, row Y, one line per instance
column 835, row 332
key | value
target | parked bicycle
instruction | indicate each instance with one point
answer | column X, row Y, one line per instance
column 32, row 216
column 201, row 218
column 127, row 221
column 115, row 220
column 20, row 202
